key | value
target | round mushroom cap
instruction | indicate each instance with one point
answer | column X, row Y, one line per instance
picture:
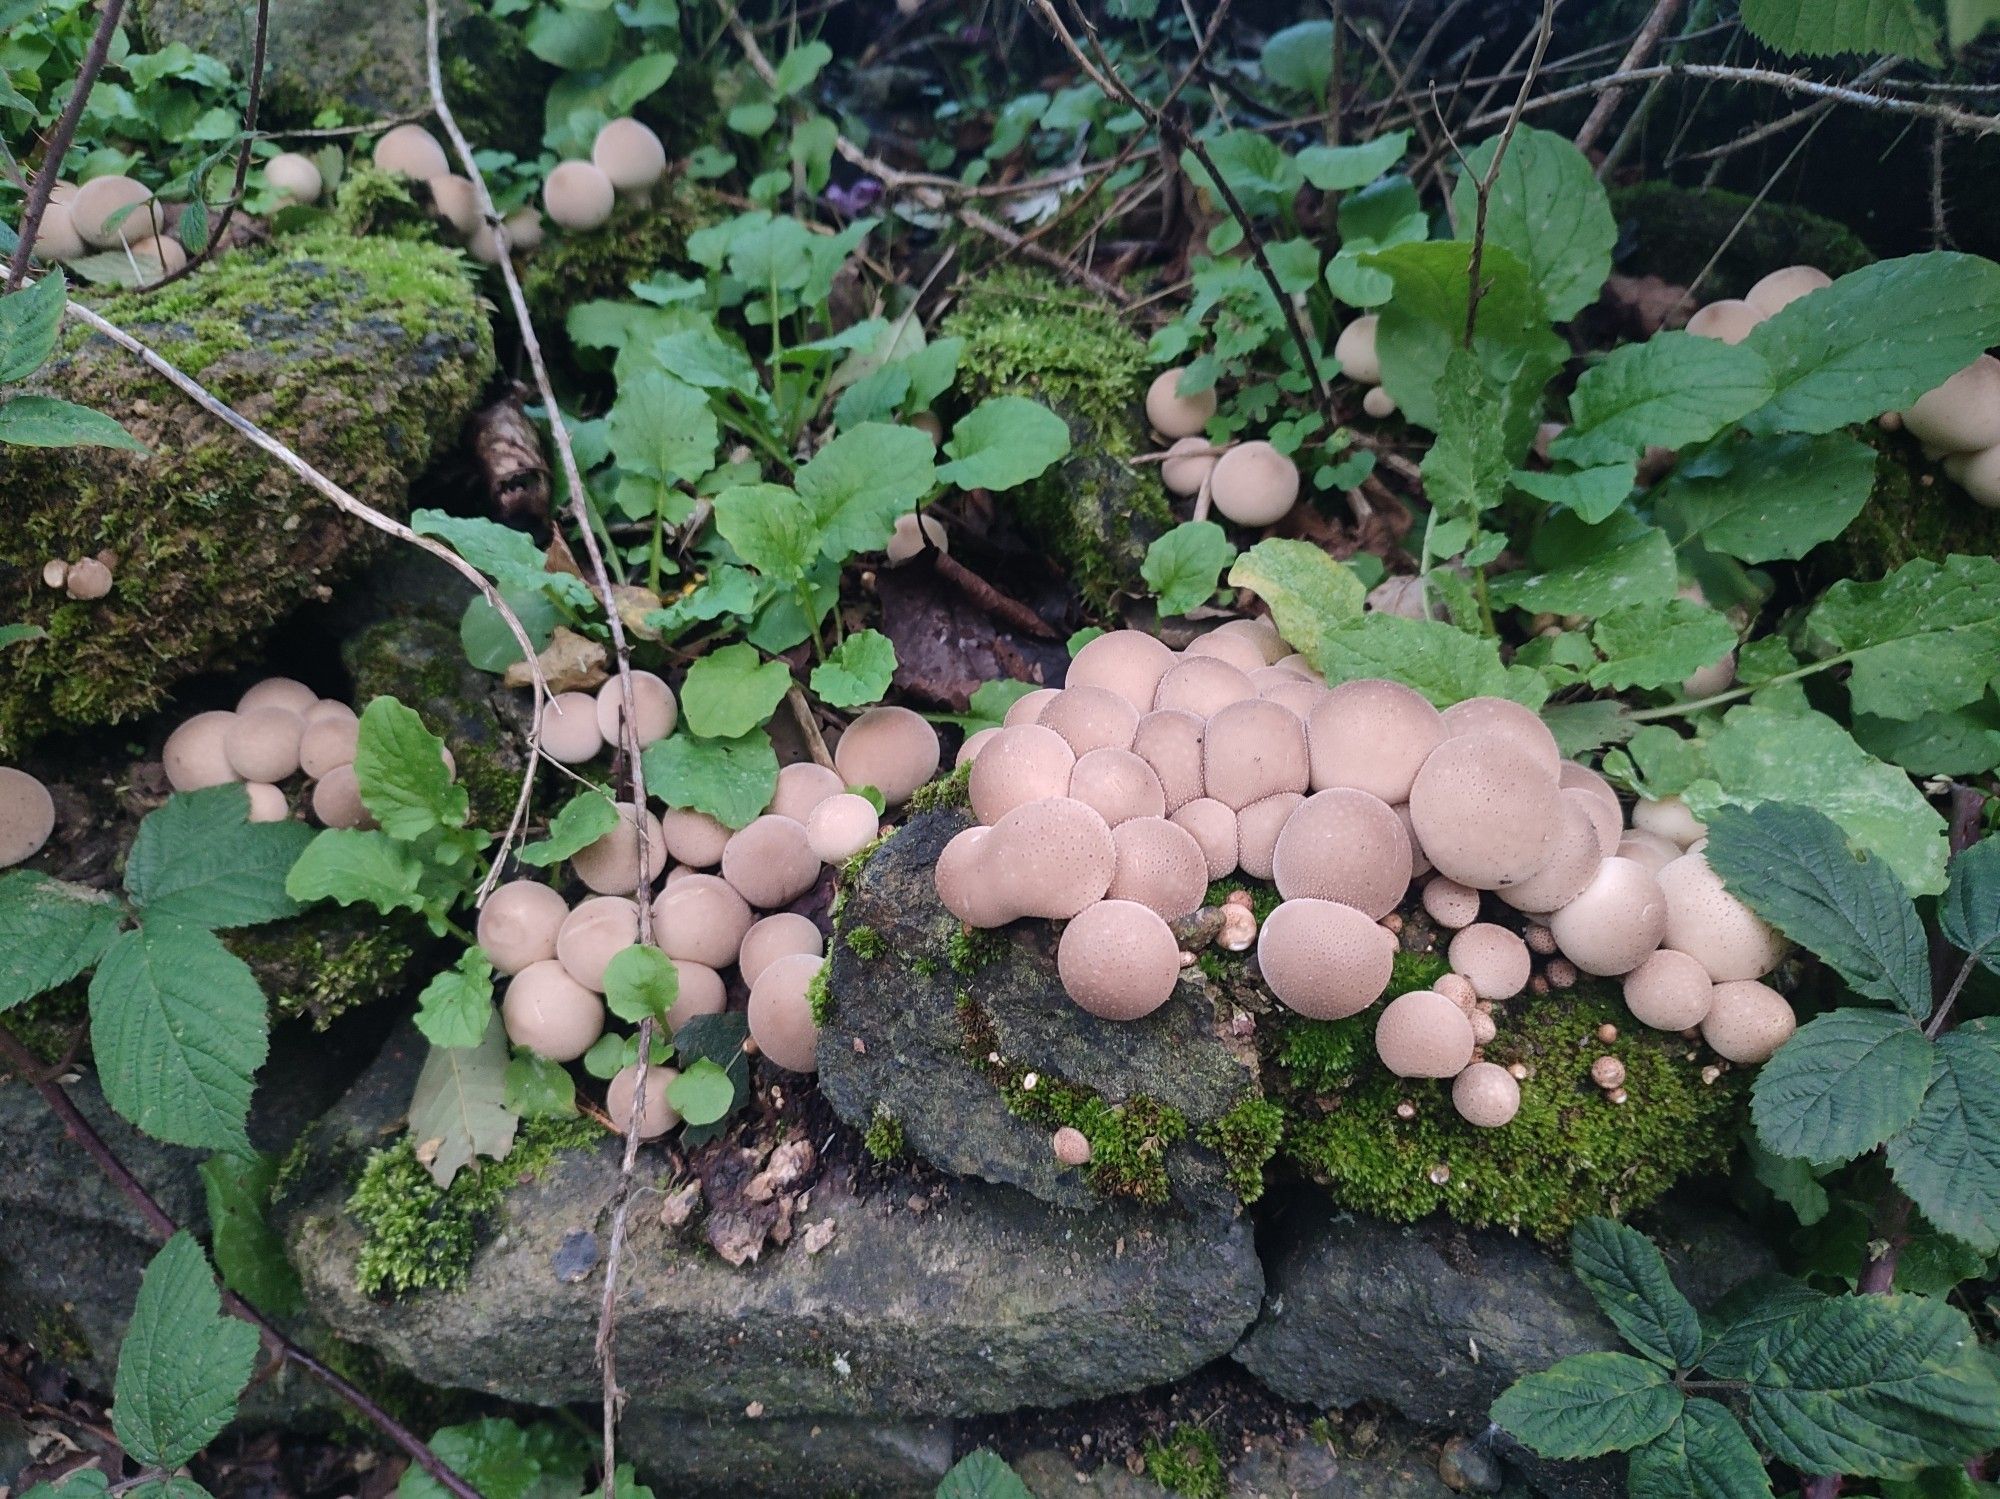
column 1747, row 1021
column 157, row 258
column 87, row 578
column 1484, row 809
column 1493, row 960
column 841, row 826
column 327, row 742
column 577, row 195
column 655, row 1116
column 1607, row 810
column 1423, row 1034
column 630, row 154
column 1027, row 708
column 411, row 151
column 1616, row 923
column 569, row 729
column 911, row 532
column 1668, row 818
column 1961, row 415
column 58, row 239
column 1323, row 959
column 1160, row 865
column 1289, row 690
column 1117, row 784
column 1502, row 716
column 329, row 709
column 1574, row 855
column 1729, row 320
column 1649, row 849
column 1486, row 1095
column 1978, row 474
column 1253, row 749
column 1118, row 960
column 194, row 755
column 610, row 866
column 1355, row 350
column 1258, row 827
column 267, row 803
column 701, row 918
column 1071, row 1146
column 1254, row 484
column 1261, row 633
column 781, row 1020
column 699, row 991
column 101, row 199
column 784, row 935
column 1451, row 904
column 524, row 228
column 1022, row 763
column 1203, row 686
column 965, row 885
column 1669, row 991
column 974, row 743
column 1128, row 662
column 294, row 175
column 1373, row 736
column 1378, row 403
column 1728, row 939
column 550, row 1013
column 1213, row 827
column 263, row 744
column 1091, row 718
column 1170, row 741
column 654, row 707
column 803, row 786
column 1347, row 846
column 27, row 816
column 693, row 838
column 1241, row 651
column 1189, row 462
column 518, row 925
column 456, row 201
column 1419, row 865
column 1050, row 858
column 1173, row 414
column 771, row 862
column 279, row 692
column 1784, row 286
column 336, row 800
column 593, row 934
column 892, row 749
column 1717, row 676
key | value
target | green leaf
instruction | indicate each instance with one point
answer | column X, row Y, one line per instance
column 1592, row 569
column 1589, row 1405
column 1629, row 1280
column 1585, row 726
column 732, row 780
column 584, row 818
column 1549, row 209
column 1876, row 339
column 663, row 427
column 199, row 859
column 982, row 1475
column 1772, row 498
column 718, row 1040
column 1793, row 867
column 352, row 865
column 1704, row 1455
column 1442, row 662
column 1181, row 564
column 799, row 67
column 1300, row 58
column 455, row 1006
column 770, row 528
column 1309, row 594
column 182, row 1363
column 731, row 691
column 179, row 1028
column 1381, row 215
column 1002, row 442
column 1792, row 1181
column 641, row 78
column 857, row 671
column 489, row 644
column 47, row 422
column 1948, row 1160
column 78, row 1483
column 1672, row 390
column 507, row 556
column 858, row 484
column 30, row 321
column 248, row 1251
column 1823, row 28
column 536, row 1088
column 15, row 634
column 405, row 781
column 571, row 37
column 703, row 1093
column 1924, row 639
column 1658, row 644
column 1465, row 471
column 1339, row 169
column 1960, row 742
column 1842, row 1085
column 641, row 982
column 1591, row 494
column 1969, row 912
column 502, row 1460
column 460, row 1103
column 49, row 933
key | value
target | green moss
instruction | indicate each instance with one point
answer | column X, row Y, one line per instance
column 952, row 791
column 372, row 202
column 972, row 948
column 421, row 1235
column 51, row 1024
column 1675, row 230
column 1320, row 1056
column 1264, row 897
column 866, row 943
column 58, row 1338
column 640, row 238
column 1187, row 1461
column 884, row 1139
column 926, row 967
column 1915, row 510
column 327, row 962
column 819, row 995
column 1246, row 1138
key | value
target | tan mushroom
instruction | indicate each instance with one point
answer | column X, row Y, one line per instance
column 1174, row 414
column 1978, row 474
column 1050, row 858
column 964, row 884
column 1451, row 904
column 1784, row 286
column 1117, row 784
column 771, row 862
column 58, row 240
column 27, row 816
column 1424, row 1034
column 1170, row 741
column 336, row 800
column 1213, row 827
column 1324, row 960
column 195, row 755
column 295, row 176
column 654, row 705
column 610, row 866
column 841, row 826
column 268, row 803
column 1574, row 854
column 1649, row 849
column 974, row 743
column 1254, row 484
column 1961, row 415
column 1189, row 462
column 1028, row 707
column 630, row 155
column 1022, row 763
column 578, row 196
column 1747, row 1021
column 410, row 151
column 1670, row 991
column 892, row 749
column 1712, row 926
column 263, row 744
column 518, row 925
column 701, row 918
column 1484, row 809
column 1347, row 846
column 654, row 1116
column 111, row 211
column 781, row 1019
column 1091, row 718
column 1373, row 736
column 1508, row 719
column 910, row 536
column 1486, row 1095
column 1160, row 865
column 1379, row 404
column 781, row 936
column 1729, row 320
column 693, row 838
column 700, row 992
column 593, row 934
column 1300, row 695
column 1128, row 662
column 569, row 732
column 1258, row 827
column 327, row 742
column 1242, row 651
column 1492, row 959
column 1118, row 960
column 550, row 1013
column 1203, row 685
column 87, row 578
column 802, row 787
column 1253, row 749
column 1355, row 350
column 279, row 692
column 1616, row 923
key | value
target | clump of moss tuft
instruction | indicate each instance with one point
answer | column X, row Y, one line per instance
column 884, row 1139
column 379, row 203
column 571, row 269
column 1264, row 897
column 1188, row 1462
column 949, row 791
column 1321, row 1056
column 866, row 943
column 972, row 948
column 1246, row 1138
column 327, row 962
column 819, row 995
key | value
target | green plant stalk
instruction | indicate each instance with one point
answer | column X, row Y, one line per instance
column 1676, row 710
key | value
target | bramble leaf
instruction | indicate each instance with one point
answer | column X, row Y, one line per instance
column 49, row 933
column 1588, row 1405
column 1948, row 1159
column 1843, row 1084
column 1705, row 1453
column 1970, row 910
column 1626, row 1274
column 199, row 859
column 182, row 1364
column 248, row 1251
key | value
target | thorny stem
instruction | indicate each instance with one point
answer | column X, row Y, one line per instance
column 221, row 225
column 84, row 1133
column 1474, row 291
column 59, row 140
column 1654, row 27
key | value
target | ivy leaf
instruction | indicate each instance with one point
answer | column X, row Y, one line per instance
column 459, row 1107
column 1969, row 912
column 455, row 1006
column 248, row 1251
column 199, row 859
column 1548, row 207
column 1629, row 1280
column 584, row 818
column 1792, row 866
column 1842, row 1085
column 1876, row 339
column 857, row 671
column 1442, row 662
column 182, row 1363
column 1823, row 28
column 733, row 690
column 982, row 1475
column 1002, row 442
column 1658, row 644
column 1589, row 569
column 703, row 1093
column 1924, row 639
column 50, row 422
column 770, row 528
column 405, row 781
column 1591, row 494
column 49, row 933
column 1339, row 169
column 355, row 865
column 1948, row 1160
column 1588, row 1405
column 1181, row 564
column 732, row 780
column 858, row 484
column 1706, row 1453
column 1309, row 594
column 1772, row 498
column 30, row 321
column 641, row 983
column 1672, row 390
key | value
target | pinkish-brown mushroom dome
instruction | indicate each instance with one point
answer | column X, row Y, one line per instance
column 700, row 993
column 1424, row 1034
column 1287, row 688
column 1323, row 959
column 1091, row 718
column 263, row 744
column 1616, row 923
column 1257, row 828
column 974, row 743
column 550, row 1013
column 1492, row 959
column 1486, row 1095
column 1260, row 632
column 1747, row 1021
column 410, row 151
column 1347, row 846
column 1606, row 814
column 1253, row 749
column 1118, row 960
column 630, row 154
column 1784, row 286
column 1254, row 484
column 781, row 1020
column 784, row 935
column 1213, row 827
column 1373, row 736
column 518, row 924
column 1963, row 414
column 1712, row 926
column 1575, row 853
column 278, row 692
column 327, row 742
column 964, row 885
column 1174, row 414
column 802, row 787
column 1027, row 708
column 770, row 863
column 1729, row 320
column 1189, row 462
column 1170, row 741
column 1485, row 810
column 1669, row 991
column 1127, row 662
column 621, row 1101
column 1050, row 858
column 577, row 195
column 593, row 934
column 700, row 917
column 610, row 866
column 194, row 756
column 1241, row 651
column 336, row 800
column 1649, row 849
column 693, row 838
column 1451, row 904
column 1022, row 763
column 841, row 826
column 1118, row 784
column 1203, row 686
column 892, row 749
column 655, row 711
column 1508, row 719
column 1669, row 818
column 1355, row 350
column 27, row 816
column 1160, row 865
column 569, row 728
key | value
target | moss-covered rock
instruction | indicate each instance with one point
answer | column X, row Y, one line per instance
column 319, row 965
column 640, row 238
column 364, row 356
column 1672, row 232
column 1029, row 334
column 1916, row 510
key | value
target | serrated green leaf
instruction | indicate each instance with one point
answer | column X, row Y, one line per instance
column 641, row 982
column 1549, row 209
column 1843, row 1084
column 1588, row 1405
column 536, row 1088
column 1770, row 498
column 1003, row 442
column 857, row 671
column 30, row 321
column 1309, row 594
column 981, row 1475
column 1948, row 1159
column 1629, row 1280
column 78, row 1483
column 1339, row 169
column 353, row 865
column 49, row 933
column 405, row 780
column 1582, row 727
column 1586, row 569
column 858, row 484
column 1658, row 644
column 770, row 529
column 1792, row 1181
column 1181, row 565
column 1824, row 28
column 1465, row 471
column 1970, row 910
column 662, row 427
column 1672, row 390
column 1444, row 663
column 1922, row 640
column 456, row 1006
column 1704, row 1455
column 584, row 818
column 182, row 1363
column 199, row 859
column 731, row 691
column 460, row 1102
column 732, row 780
column 248, row 1251
column 502, row 1460
column 507, row 556
column 703, row 1093
column 1591, row 494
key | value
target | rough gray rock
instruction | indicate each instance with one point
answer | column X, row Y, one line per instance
column 1270, row 1468
column 910, row 1037
column 693, row 1457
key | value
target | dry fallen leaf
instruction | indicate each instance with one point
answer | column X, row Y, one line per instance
column 570, row 662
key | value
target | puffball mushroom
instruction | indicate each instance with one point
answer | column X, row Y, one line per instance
column 1485, row 1094
column 1355, row 350
column 1963, row 414
column 1189, row 462
column 27, row 816
column 1347, row 846
column 336, row 800
column 1257, row 829
column 157, row 258
column 1424, row 1034
column 610, row 866
column 411, row 151
column 578, row 195
column 1253, row 749
column 693, row 838
column 568, row 727
column 1091, row 718
column 1071, row 1146
column 1373, row 736
column 328, row 742
column 770, row 863
column 58, row 239
column 1173, row 414
column 1670, row 991
column 700, row 992
column 974, row 743
column 1484, row 809
column 279, row 692
column 1118, row 960
column 629, row 154
column 267, row 803
column 1616, row 923
column 1203, row 685
column 1254, row 484
column 963, row 884
column 1325, row 960
column 1118, row 785
column 194, row 755
column 1575, row 852
column 1128, row 662
column 593, row 934
column 263, row 744
column 1213, row 827
column 655, row 1116
column 1728, row 320
column 518, row 925
column 1159, row 865
column 841, row 826
column 550, row 1013
column 700, row 918
column 295, row 175
column 1170, row 740
column 1668, row 818
column 1451, row 904
column 781, row 1019
column 892, row 749
column 654, row 710
column 524, row 229
column 1712, row 926
column 1492, row 959
column 103, row 199
column 1050, row 858
column 1978, row 474
column 1502, row 716
column 784, row 935
column 87, row 578
column 1378, row 403
column 1784, row 286
column 1649, row 849
column 1027, row 708
column 911, row 533
column 1747, row 1021
column 1022, row 763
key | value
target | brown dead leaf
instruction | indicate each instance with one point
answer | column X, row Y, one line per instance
column 680, row 1205
column 634, row 604
column 571, row 663
column 946, row 645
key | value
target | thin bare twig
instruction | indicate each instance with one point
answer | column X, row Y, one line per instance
column 1873, row 73
column 1474, row 291
column 802, row 714
column 1650, row 32
column 221, row 226
column 60, row 138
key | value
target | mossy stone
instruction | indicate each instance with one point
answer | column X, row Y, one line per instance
column 639, row 239
column 1915, row 510
column 364, row 356
column 1674, row 230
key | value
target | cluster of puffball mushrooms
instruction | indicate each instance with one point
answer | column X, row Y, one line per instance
column 1111, row 804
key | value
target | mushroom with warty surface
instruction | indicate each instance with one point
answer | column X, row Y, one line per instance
column 1324, row 960
column 1118, row 960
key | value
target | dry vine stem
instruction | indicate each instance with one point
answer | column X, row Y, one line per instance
column 59, row 139
column 1483, row 188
